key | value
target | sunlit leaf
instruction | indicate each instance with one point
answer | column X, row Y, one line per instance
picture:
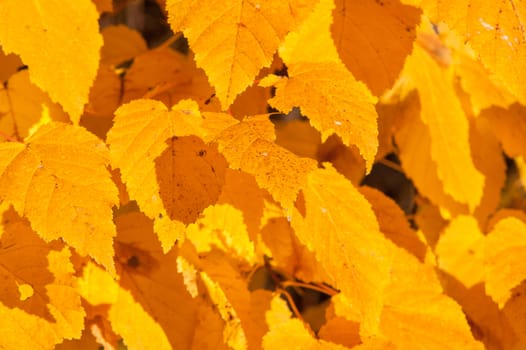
column 494, row 30
column 326, row 92
column 30, row 28
column 21, row 105
column 356, row 257
column 503, row 253
column 139, row 136
column 221, row 37
column 448, row 128
column 61, row 196
column 416, row 311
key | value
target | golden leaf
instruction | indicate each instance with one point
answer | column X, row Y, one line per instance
column 61, row 196
column 32, row 27
column 223, row 35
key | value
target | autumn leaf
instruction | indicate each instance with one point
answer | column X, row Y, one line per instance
column 62, row 198
column 30, row 28
column 392, row 222
column 136, row 140
column 22, row 104
column 287, row 330
column 503, row 250
column 10, row 65
column 356, row 258
column 222, row 226
column 248, row 146
column 38, row 291
column 137, row 331
column 38, row 288
column 150, row 277
column 383, row 33
column 327, row 93
column 460, row 251
column 494, row 31
column 222, row 35
column 448, row 128
column 120, row 44
column 416, row 311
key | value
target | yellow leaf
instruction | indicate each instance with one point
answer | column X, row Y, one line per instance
column 138, row 137
column 38, row 288
column 290, row 332
column 504, row 251
column 326, row 92
column 495, row 31
column 413, row 140
column 341, row 229
column 222, row 226
column 66, row 72
column 416, row 314
column 236, row 139
column 21, row 105
column 226, row 287
column 59, row 181
column 233, row 332
column 277, row 170
column 138, row 332
column 460, row 251
column 222, row 34
column 448, row 128
column 373, row 39
column 248, row 146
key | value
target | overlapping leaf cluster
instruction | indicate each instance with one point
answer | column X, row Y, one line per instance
column 144, row 190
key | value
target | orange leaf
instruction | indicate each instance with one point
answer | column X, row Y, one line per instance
column 508, row 125
column 152, row 279
column 9, row 65
column 373, row 39
column 356, row 256
column 393, row 223
column 121, row 43
column 32, row 27
column 223, row 35
column 59, row 181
